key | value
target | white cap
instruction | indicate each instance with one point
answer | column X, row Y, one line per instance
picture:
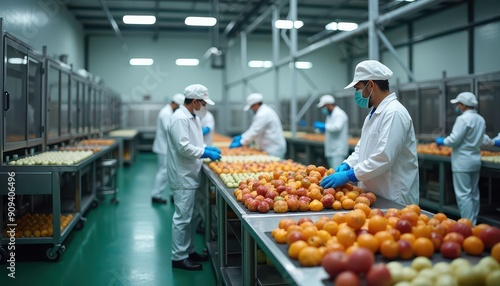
column 178, row 98
column 252, row 99
column 370, row 70
column 466, row 98
column 326, row 99
column 198, row 91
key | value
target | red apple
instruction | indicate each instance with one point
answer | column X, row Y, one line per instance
column 450, row 249
column 271, row 194
column 263, row 207
column 253, row 205
column 260, row 198
column 261, row 190
column 461, row 228
column 403, row 226
column 379, row 275
column 303, row 205
column 305, row 198
column 330, row 191
column 280, row 189
column 347, row 278
column 294, row 235
column 328, row 200
column 375, row 211
column 455, row 237
column 304, row 219
column 270, row 202
column 293, row 203
column 490, row 236
column 360, row 260
column 405, row 250
column 335, row 262
column 301, row 192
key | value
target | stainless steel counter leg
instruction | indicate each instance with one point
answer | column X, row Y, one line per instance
column 222, row 230
column 248, row 258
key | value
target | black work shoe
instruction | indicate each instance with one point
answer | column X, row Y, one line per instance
column 186, row 264
column 155, row 200
column 200, row 230
column 198, row 257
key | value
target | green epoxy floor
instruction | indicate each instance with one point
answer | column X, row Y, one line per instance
column 124, row 244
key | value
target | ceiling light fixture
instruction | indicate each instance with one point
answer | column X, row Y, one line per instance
column 260, row 64
column 17, row 61
column 200, row 21
column 342, row 26
column 139, row 19
column 302, row 65
column 187, row 62
column 288, row 24
column 141, row 61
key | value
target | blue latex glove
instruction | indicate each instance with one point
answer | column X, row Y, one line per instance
column 213, row 148
column 237, row 138
column 211, row 154
column 440, row 141
column 497, row 143
column 343, row 167
column 338, row 179
column 319, row 125
column 205, row 130
column 235, row 144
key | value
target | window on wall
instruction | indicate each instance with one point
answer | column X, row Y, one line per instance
column 53, row 103
column 15, row 86
column 35, row 99
column 489, row 101
column 429, row 112
column 65, row 97
column 409, row 99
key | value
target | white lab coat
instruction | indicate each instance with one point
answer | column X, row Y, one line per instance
column 385, row 159
column 185, row 142
column 267, row 132
column 490, row 141
column 208, row 121
column 336, row 134
column 160, row 143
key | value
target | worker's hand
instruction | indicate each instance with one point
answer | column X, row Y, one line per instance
column 211, row 154
column 205, row 130
column 338, row 179
column 319, row 125
column 237, row 138
column 213, row 148
column 440, row 141
column 497, row 143
column 343, row 167
column 235, row 144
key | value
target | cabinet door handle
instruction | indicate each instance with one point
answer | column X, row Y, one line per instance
column 6, row 100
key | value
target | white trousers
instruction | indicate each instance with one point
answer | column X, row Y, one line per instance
column 184, row 223
column 161, row 179
column 334, row 161
column 467, row 194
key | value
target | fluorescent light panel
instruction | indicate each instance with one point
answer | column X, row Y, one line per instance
column 303, row 65
column 187, row 62
column 342, row 26
column 17, row 61
column 200, row 21
column 139, row 19
column 141, row 61
column 288, row 24
column 260, row 64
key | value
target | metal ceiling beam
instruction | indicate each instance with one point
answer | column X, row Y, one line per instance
column 236, row 26
column 114, row 25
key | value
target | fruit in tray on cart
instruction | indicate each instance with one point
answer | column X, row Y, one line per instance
column 101, row 142
column 433, row 149
column 38, row 225
column 53, row 158
column 249, row 158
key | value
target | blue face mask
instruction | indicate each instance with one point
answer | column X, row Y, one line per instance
column 457, row 110
column 360, row 100
column 325, row 111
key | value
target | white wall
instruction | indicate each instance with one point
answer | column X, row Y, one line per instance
column 45, row 23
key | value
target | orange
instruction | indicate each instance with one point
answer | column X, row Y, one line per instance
column 369, row 241
column 309, row 231
column 423, row 246
column 351, row 248
column 280, row 236
column 421, row 231
column 410, row 216
column 339, row 195
column 465, row 221
column 334, row 246
column 415, row 208
column 473, row 245
column 479, row 228
column 423, row 218
column 346, row 236
column 364, row 207
column 321, row 221
column 324, row 235
column 410, row 237
column 315, row 241
column 337, row 205
column 356, row 219
column 347, row 204
column 310, row 256
column 362, row 200
column 331, row 227
column 306, row 224
column 495, row 251
column 391, row 221
column 433, row 221
column 440, row 216
column 377, row 223
column 295, row 248
column 384, row 235
column 352, row 195
column 339, row 218
column 389, row 249
column 448, row 223
column 392, row 212
column 293, row 227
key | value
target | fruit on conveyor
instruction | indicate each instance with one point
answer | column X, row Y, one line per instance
column 54, row 158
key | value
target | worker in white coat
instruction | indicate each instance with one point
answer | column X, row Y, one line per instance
column 495, row 141
column 336, row 129
column 385, row 159
column 207, row 127
column 160, row 147
column 466, row 139
column 186, row 149
column 266, row 129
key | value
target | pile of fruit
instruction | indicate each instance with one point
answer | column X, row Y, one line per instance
column 298, row 190
column 249, row 158
column 80, row 148
column 490, row 156
column 313, row 137
column 217, row 137
column 433, row 149
column 395, row 234
column 98, row 142
column 252, row 167
column 54, row 158
column 38, row 225
column 241, row 151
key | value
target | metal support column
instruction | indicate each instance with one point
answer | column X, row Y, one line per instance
column 293, row 54
column 276, row 55
column 244, row 61
column 373, row 49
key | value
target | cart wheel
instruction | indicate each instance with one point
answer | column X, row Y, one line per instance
column 54, row 257
column 3, row 255
column 95, row 203
column 80, row 224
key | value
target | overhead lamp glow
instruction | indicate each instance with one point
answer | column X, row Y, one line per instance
column 139, row 19
column 347, row 26
column 141, row 61
column 302, row 65
column 187, row 62
column 331, row 26
column 17, row 61
column 200, row 21
column 288, row 24
column 405, row 0
column 260, row 64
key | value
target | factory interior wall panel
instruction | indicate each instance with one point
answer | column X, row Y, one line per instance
column 35, row 22
column 162, row 78
column 486, row 47
column 440, row 22
column 484, row 9
column 447, row 53
column 390, row 60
